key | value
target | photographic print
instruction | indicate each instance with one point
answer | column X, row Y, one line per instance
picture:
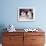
column 26, row 14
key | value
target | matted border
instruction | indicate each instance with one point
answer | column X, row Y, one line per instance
column 23, row 8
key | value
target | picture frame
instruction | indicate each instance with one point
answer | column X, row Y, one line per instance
column 26, row 14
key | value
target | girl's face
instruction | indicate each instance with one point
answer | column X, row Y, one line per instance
column 23, row 13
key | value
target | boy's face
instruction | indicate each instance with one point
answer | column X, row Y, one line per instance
column 29, row 13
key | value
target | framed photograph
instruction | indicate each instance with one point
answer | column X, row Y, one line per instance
column 26, row 14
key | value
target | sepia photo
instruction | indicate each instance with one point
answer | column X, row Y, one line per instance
column 26, row 14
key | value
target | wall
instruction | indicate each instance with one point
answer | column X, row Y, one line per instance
column 9, row 13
